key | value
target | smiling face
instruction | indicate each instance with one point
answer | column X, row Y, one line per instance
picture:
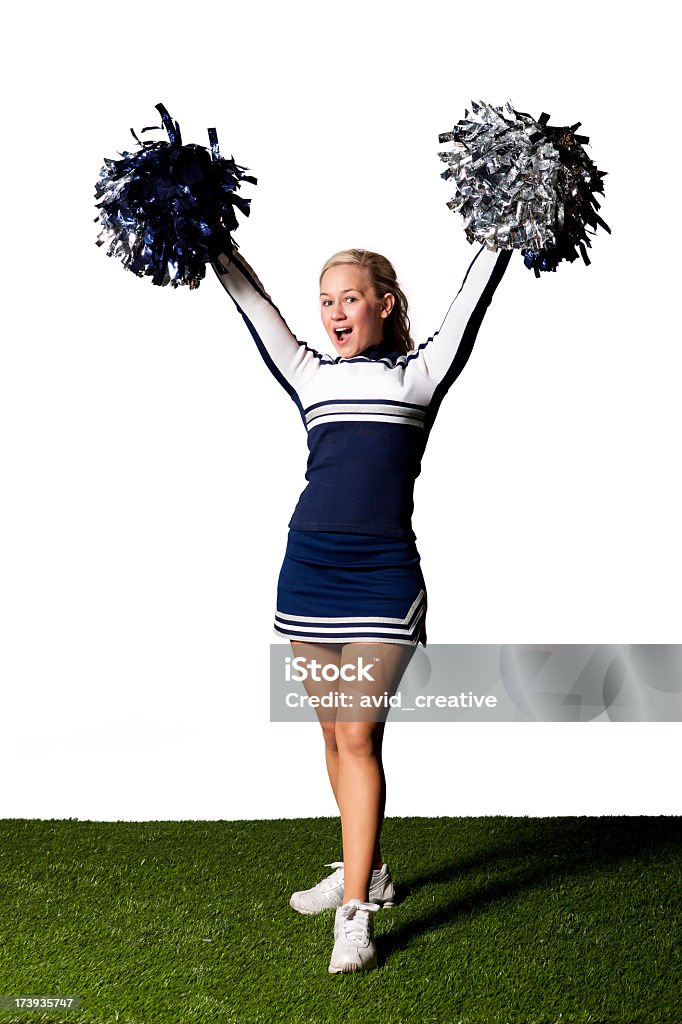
column 352, row 314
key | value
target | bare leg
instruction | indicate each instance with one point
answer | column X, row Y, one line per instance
column 361, row 788
column 330, row 654
column 325, row 654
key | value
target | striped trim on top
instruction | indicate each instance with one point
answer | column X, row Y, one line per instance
column 375, row 410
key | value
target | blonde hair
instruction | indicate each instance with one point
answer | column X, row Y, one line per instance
column 382, row 278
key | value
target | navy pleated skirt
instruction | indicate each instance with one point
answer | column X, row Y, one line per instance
column 350, row 587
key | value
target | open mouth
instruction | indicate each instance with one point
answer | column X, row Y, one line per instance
column 342, row 332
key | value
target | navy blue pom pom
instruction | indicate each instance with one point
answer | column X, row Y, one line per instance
column 168, row 209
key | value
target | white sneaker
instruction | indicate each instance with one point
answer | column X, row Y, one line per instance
column 329, row 892
column 354, row 948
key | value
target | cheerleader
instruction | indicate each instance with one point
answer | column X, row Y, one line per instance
column 350, row 590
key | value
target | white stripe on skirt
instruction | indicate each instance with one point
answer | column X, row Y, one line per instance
column 353, row 628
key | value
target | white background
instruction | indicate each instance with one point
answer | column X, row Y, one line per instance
column 150, row 463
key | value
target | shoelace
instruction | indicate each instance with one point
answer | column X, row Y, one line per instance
column 355, row 921
column 334, row 879
column 339, row 864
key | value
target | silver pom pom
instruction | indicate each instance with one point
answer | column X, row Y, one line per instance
column 522, row 184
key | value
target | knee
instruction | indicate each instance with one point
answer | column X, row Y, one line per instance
column 357, row 739
column 329, row 733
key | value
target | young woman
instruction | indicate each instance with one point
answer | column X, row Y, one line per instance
column 351, row 589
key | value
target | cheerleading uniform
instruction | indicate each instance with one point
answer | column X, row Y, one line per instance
column 351, row 570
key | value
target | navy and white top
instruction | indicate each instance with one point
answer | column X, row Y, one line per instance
column 368, row 417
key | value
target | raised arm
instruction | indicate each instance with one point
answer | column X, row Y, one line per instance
column 445, row 355
column 290, row 361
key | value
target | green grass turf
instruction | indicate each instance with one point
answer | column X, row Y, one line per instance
column 500, row 921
